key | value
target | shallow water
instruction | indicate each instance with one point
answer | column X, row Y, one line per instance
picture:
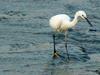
column 26, row 42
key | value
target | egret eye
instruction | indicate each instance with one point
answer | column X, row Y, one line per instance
column 83, row 15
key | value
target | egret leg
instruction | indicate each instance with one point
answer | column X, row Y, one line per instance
column 55, row 54
column 54, row 43
column 66, row 35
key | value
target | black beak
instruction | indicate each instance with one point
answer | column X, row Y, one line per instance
column 88, row 21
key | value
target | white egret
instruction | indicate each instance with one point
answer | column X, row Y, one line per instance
column 62, row 22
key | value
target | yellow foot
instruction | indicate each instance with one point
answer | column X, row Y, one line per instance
column 55, row 55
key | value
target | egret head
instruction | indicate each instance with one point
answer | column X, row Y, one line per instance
column 81, row 14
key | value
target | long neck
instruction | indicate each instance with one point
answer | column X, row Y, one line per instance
column 73, row 22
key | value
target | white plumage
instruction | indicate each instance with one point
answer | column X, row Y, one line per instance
column 59, row 22
column 62, row 22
